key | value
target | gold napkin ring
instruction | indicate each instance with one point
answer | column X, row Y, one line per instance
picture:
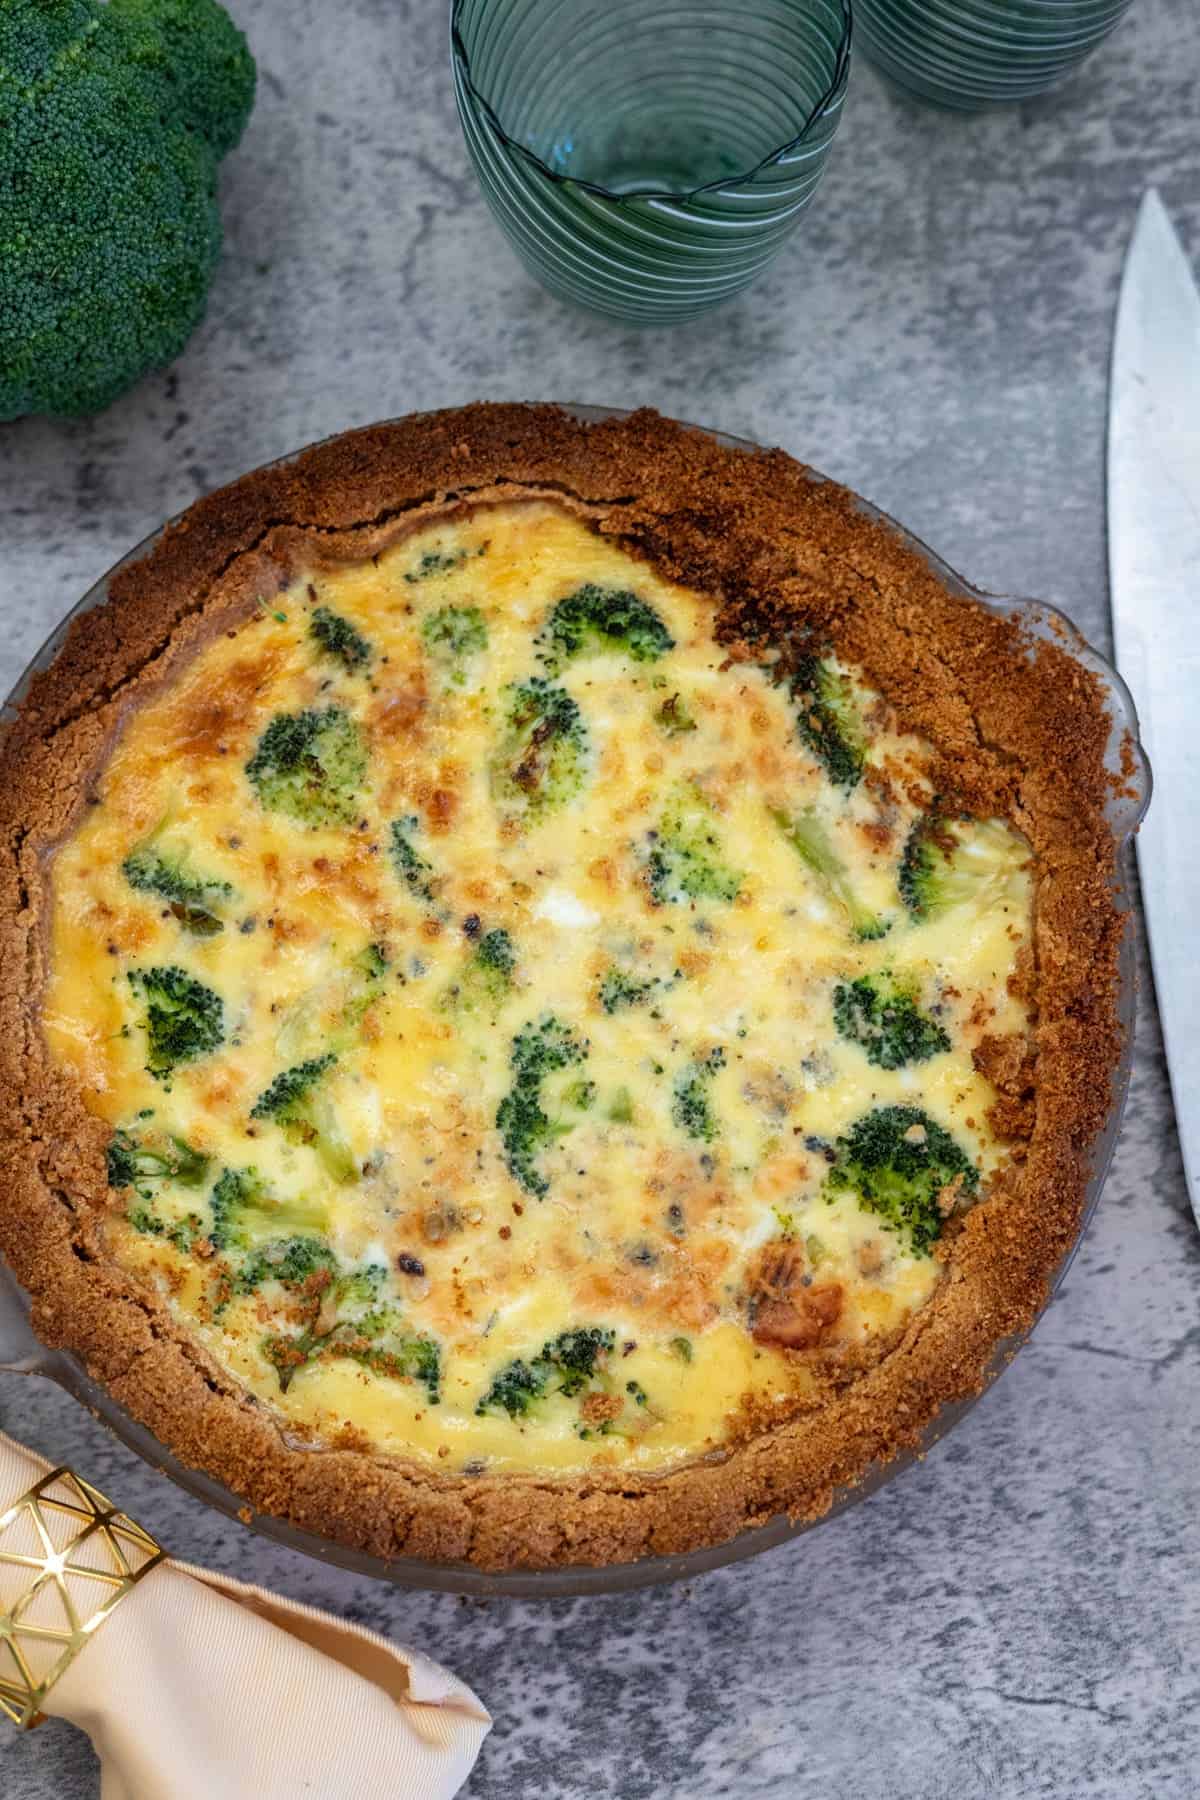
column 82, row 1556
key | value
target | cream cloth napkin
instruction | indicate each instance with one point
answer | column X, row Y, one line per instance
column 197, row 1685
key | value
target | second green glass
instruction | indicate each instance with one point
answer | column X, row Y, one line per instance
column 648, row 160
column 973, row 53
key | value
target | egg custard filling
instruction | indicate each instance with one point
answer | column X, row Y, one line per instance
column 534, row 1035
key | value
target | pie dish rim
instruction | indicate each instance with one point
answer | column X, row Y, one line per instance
column 566, row 1577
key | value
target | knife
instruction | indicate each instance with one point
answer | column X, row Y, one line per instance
column 1154, row 577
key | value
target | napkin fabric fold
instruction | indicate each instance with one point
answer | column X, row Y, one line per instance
column 200, row 1685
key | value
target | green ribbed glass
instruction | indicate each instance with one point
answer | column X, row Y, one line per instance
column 973, row 53
column 648, row 160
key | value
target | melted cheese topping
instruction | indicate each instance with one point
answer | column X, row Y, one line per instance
column 675, row 1196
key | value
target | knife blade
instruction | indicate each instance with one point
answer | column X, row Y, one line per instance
column 1154, row 579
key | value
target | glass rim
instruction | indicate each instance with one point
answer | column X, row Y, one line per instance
column 721, row 183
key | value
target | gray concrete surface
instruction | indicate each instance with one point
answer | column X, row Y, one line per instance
column 1017, row 1617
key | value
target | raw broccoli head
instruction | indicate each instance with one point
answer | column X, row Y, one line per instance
column 811, row 841
column 595, row 618
column 957, row 863
column 154, row 868
column 541, row 758
column 113, row 118
column 829, row 718
column 336, row 637
column 182, row 1233
column 133, row 1163
column 452, row 636
column 311, row 765
column 295, row 1102
column 525, row 1126
column 881, row 1013
column 685, row 860
column 898, row 1162
column 182, row 1018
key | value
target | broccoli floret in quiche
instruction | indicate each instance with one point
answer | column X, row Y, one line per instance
column 691, row 1103
column 365, row 1329
column 311, row 765
column 541, row 758
column 899, row 1163
column 292, row 1261
column 360, row 1294
column 495, row 953
column 132, row 1163
column 453, row 637
column 160, row 868
column 181, row 1017
column 336, row 638
column 182, row 1233
column 381, row 1344
column 245, row 1213
column 364, row 979
column 578, row 1355
column 567, row 1364
column 525, row 1127
column 515, row 1389
column 288, row 1353
column 297, row 1103
column 328, row 1019
column 595, row 619
column 487, row 978
column 948, row 863
column 441, row 562
column 414, row 870
column 811, row 841
column 880, row 1013
column 619, row 990
column 685, row 860
column 145, row 1169
column 829, row 718
column 674, row 717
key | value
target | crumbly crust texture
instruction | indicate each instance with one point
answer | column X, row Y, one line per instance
column 1020, row 730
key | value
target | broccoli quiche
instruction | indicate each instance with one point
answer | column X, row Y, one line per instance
column 558, row 987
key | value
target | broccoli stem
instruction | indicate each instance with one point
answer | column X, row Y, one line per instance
column 810, row 840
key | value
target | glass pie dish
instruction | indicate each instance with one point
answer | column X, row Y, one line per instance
column 1130, row 791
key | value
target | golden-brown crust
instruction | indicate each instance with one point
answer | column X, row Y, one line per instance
column 1019, row 731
